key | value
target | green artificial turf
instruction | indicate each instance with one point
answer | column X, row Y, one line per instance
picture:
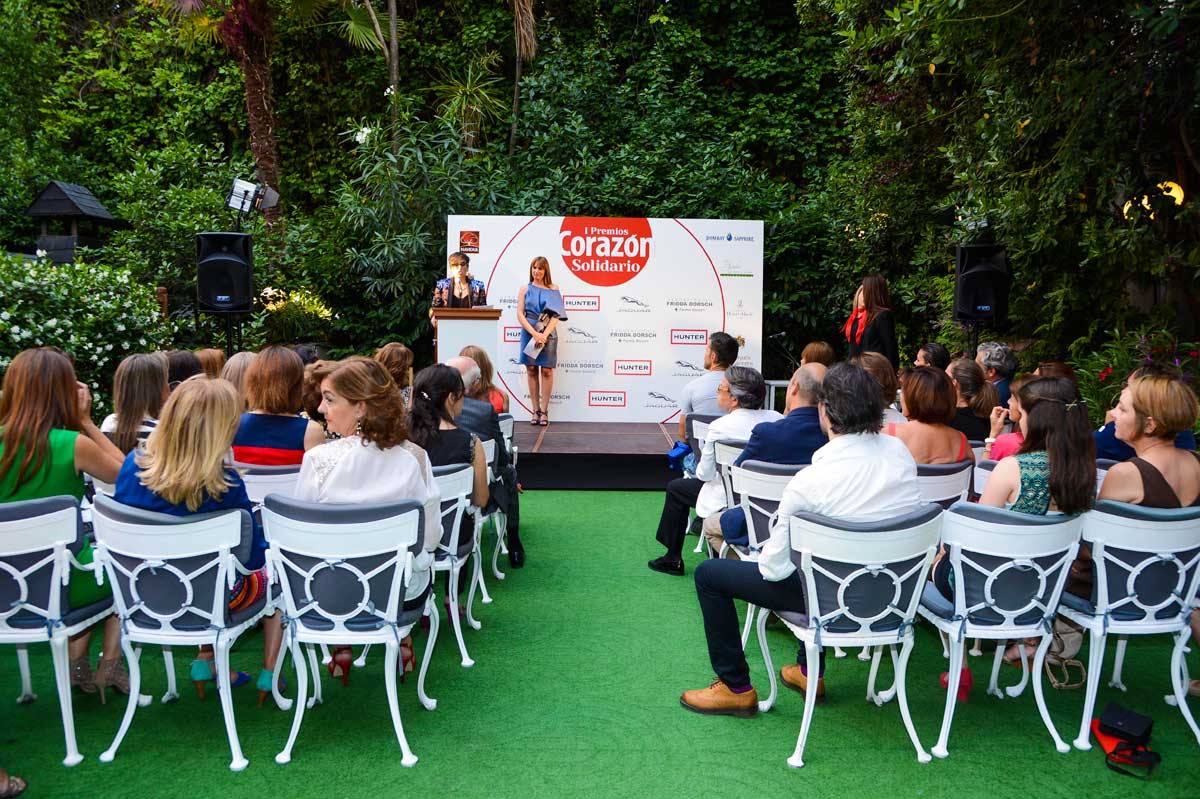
column 575, row 693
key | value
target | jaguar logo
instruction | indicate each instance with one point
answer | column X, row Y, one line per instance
column 632, row 301
column 579, row 332
column 663, row 397
column 689, row 366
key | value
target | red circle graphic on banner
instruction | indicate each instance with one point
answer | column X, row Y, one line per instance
column 605, row 251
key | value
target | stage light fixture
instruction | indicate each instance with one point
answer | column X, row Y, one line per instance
column 246, row 196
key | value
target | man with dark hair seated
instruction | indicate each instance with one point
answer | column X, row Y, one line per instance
column 700, row 395
column 859, row 476
column 791, row 440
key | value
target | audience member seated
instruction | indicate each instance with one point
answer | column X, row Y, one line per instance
column 859, row 476
column 998, row 364
column 878, row 367
column 182, row 364
column 975, row 399
column 182, row 472
column 792, row 441
column 235, row 372
column 372, row 461
column 310, row 395
column 478, row 416
column 1151, row 412
column 740, row 397
column 1054, row 369
column 485, row 387
column 927, row 399
column 398, row 360
column 139, row 391
column 212, row 361
column 700, row 395
column 1055, row 470
column 818, row 352
column 999, row 444
column 1109, row 446
column 307, row 352
column 933, row 354
column 47, row 439
column 272, row 433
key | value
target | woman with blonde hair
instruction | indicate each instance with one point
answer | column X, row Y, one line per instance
column 182, row 472
column 139, row 391
column 372, row 461
column 484, row 389
column 398, row 360
column 235, row 370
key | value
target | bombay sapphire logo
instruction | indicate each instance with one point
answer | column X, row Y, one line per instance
column 728, row 237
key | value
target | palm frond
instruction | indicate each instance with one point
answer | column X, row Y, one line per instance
column 310, row 10
column 525, row 29
column 359, row 31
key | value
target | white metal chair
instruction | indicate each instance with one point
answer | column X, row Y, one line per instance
column 499, row 523
column 1009, row 570
column 726, row 452
column 983, row 470
column 757, row 488
column 944, row 483
column 455, row 483
column 507, row 425
column 171, row 577
column 862, row 583
column 344, row 571
column 35, row 569
column 1146, row 569
column 697, row 430
column 263, row 480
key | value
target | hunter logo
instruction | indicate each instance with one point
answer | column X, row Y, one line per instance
column 605, row 252
column 581, row 302
column 638, row 368
column 689, row 336
column 512, row 335
column 606, row 399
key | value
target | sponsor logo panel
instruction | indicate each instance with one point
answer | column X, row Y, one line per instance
column 641, row 368
column 581, row 302
column 606, row 399
column 468, row 241
column 633, row 336
column 605, row 252
column 689, row 336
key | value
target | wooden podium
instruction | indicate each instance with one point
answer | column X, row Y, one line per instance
column 456, row 328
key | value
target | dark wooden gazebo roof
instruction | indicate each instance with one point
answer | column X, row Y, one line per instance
column 61, row 200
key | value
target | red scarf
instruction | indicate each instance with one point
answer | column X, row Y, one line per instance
column 857, row 315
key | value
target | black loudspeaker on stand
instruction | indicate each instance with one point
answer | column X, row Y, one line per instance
column 981, row 286
column 225, row 280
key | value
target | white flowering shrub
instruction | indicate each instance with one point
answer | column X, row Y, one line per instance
column 97, row 314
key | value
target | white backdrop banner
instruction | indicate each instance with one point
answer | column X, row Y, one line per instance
column 642, row 296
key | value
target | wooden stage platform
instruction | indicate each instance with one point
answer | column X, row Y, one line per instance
column 597, row 456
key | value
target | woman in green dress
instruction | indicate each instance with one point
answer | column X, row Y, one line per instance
column 47, row 441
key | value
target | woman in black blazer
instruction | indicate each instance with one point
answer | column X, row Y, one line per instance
column 870, row 327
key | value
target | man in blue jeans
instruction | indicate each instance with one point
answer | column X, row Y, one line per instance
column 859, row 476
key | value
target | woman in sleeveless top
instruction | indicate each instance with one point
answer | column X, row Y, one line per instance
column 540, row 308
column 1151, row 412
column 272, row 433
column 976, row 398
column 47, row 440
column 928, row 400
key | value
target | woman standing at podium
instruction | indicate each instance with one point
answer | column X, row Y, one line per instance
column 460, row 290
column 542, row 308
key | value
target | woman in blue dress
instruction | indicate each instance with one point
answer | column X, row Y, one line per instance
column 542, row 307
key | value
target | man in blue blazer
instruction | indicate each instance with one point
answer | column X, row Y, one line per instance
column 791, row 440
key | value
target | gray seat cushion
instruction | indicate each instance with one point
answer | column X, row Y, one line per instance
column 933, row 601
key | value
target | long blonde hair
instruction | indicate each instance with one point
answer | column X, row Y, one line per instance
column 184, row 457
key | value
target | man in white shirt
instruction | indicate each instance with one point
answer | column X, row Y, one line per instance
column 700, row 395
column 859, row 476
column 740, row 394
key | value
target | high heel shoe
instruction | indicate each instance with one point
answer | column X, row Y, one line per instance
column 265, row 678
column 340, row 663
column 965, row 683
column 201, row 671
column 82, row 676
column 408, row 658
column 112, row 673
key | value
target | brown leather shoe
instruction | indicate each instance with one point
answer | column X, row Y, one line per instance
column 718, row 700
column 793, row 677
